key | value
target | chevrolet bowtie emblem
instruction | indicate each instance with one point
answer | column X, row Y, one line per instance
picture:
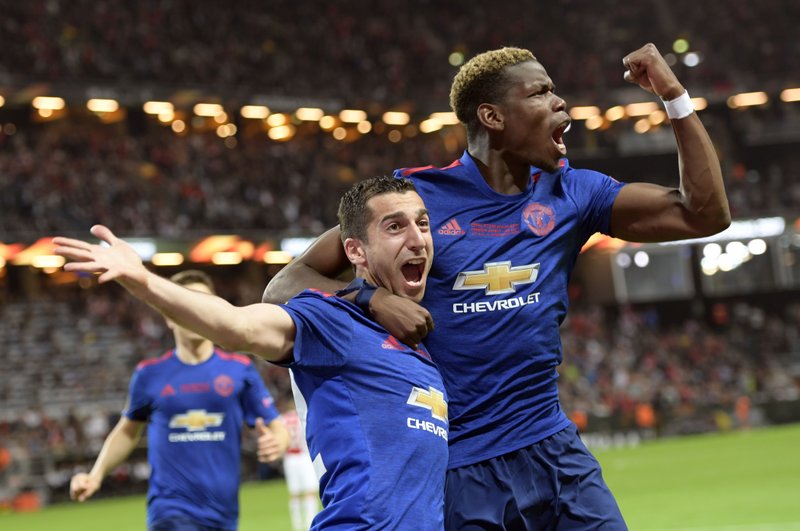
column 497, row 277
column 430, row 399
column 196, row 420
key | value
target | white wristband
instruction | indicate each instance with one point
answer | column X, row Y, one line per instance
column 680, row 107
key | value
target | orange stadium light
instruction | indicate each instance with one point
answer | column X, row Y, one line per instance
column 167, row 259
column 277, row 257
column 446, row 118
column 102, row 105
column 309, row 114
column 584, row 112
column 396, row 118
column 615, row 113
column 790, row 94
column 430, row 125
column 747, row 99
column 254, row 112
column 352, row 116
column 2, row 101
column 50, row 103
column 42, row 247
column 364, row 127
column 208, row 110
column 157, row 107
column 641, row 109
column 699, row 103
column 282, row 132
column 205, row 250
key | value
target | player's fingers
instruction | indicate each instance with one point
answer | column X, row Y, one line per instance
column 71, row 242
column 74, row 253
column 104, row 233
column 83, row 267
column 260, row 425
column 429, row 322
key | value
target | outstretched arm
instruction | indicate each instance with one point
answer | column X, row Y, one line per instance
column 699, row 207
column 263, row 329
column 320, row 265
column 117, row 447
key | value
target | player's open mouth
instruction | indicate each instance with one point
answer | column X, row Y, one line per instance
column 413, row 271
column 558, row 137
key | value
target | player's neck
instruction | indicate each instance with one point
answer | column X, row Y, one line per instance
column 499, row 174
column 193, row 352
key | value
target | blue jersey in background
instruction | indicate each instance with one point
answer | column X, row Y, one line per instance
column 195, row 415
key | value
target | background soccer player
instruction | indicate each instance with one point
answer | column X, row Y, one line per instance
column 301, row 480
column 498, row 288
column 194, row 400
column 375, row 409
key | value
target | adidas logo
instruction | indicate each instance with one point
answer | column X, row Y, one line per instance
column 392, row 343
column 168, row 390
column 451, row 228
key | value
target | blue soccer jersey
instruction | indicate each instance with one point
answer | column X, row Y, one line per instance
column 498, row 294
column 376, row 419
column 195, row 415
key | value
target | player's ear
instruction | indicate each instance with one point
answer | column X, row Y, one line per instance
column 355, row 251
column 490, row 116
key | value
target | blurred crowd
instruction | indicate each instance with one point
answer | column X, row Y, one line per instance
column 64, row 176
column 378, row 52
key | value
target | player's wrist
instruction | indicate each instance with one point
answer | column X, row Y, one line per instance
column 679, row 107
column 359, row 292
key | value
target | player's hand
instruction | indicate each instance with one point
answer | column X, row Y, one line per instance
column 270, row 448
column 117, row 261
column 647, row 68
column 403, row 318
column 83, row 486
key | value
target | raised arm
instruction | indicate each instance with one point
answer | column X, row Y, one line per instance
column 263, row 329
column 320, row 265
column 698, row 207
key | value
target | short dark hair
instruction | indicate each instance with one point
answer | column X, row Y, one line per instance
column 483, row 79
column 354, row 215
column 193, row 276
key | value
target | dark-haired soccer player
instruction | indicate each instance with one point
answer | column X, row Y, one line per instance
column 508, row 220
column 375, row 409
column 194, row 400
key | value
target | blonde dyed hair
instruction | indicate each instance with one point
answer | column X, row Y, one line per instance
column 482, row 79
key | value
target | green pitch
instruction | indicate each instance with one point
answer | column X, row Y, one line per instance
column 746, row 481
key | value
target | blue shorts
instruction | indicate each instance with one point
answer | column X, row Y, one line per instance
column 180, row 523
column 555, row 484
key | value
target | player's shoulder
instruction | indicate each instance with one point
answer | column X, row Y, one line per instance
column 570, row 172
column 234, row 358
column 427, row 171
column 146, row 365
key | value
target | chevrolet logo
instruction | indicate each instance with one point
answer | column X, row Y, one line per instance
column 431, row 399
column 196, row 420
column 497, row 277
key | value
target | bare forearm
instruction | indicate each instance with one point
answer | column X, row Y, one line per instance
column 116, row 449
column 210, row 316
column 701, row 183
